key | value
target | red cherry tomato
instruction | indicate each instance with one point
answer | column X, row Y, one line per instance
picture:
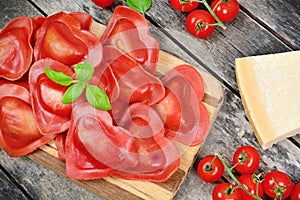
column 277, row 184
column 210, row 169
column 225, row 191
column 251, row 182
column 103, row 3
column 184, row 5
column 196, row 23
column 226, row 10
column 249, row 159
column 296, row 192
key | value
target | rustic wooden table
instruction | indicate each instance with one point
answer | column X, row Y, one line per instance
column 261, row 27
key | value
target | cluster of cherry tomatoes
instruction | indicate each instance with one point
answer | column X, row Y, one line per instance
column 201, row 23
column 248, row 185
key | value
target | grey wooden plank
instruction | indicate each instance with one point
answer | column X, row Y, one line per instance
column 297, row 139
column 8, row 189
column 283, row 17
column 11, row 9
column 40, row 182
column 194, row 189
column 231, row 129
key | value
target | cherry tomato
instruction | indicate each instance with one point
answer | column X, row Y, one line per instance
column 251, row 182
column 226, row 10
column 296, row 192
column 249, row 159
column 225, row 191
column 184, row 5
column 277, row 184
column 210, row 169
column 196, row 23
column 103, row 3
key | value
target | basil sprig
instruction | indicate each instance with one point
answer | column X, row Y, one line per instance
column 84, row 72
column 140, row 5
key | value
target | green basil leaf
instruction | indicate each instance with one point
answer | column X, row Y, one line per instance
column 84, row 71
column 140, row 5
column 73, row 93
column 58, row 77
column 97, row 98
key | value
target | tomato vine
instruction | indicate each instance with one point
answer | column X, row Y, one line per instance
column 251, row 184
column 201, row 24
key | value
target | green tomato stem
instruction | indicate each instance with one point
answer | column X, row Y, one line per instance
column 209, row 167
column 256, row 187
column 219, row 23
column 279, row 191
column 229, row 171
column 219, row 2
column 242, row 160
column 236, row 164
column 257, row 179
column 204, row 24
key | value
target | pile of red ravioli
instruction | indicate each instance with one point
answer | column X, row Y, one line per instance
column 136, row 138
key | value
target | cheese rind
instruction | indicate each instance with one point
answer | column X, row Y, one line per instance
column 270, row 89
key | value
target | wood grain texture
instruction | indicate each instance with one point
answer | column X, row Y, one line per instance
column 40, row 182
column 114, row 188
column 12, row 9
column 282, row 17
column 9, row 189
column 215, row 54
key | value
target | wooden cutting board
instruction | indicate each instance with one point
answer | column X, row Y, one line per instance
column 114, row 188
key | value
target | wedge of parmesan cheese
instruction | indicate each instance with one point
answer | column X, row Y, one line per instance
column 270, row 89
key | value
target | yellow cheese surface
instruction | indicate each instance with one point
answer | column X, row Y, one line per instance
column 270, row 91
